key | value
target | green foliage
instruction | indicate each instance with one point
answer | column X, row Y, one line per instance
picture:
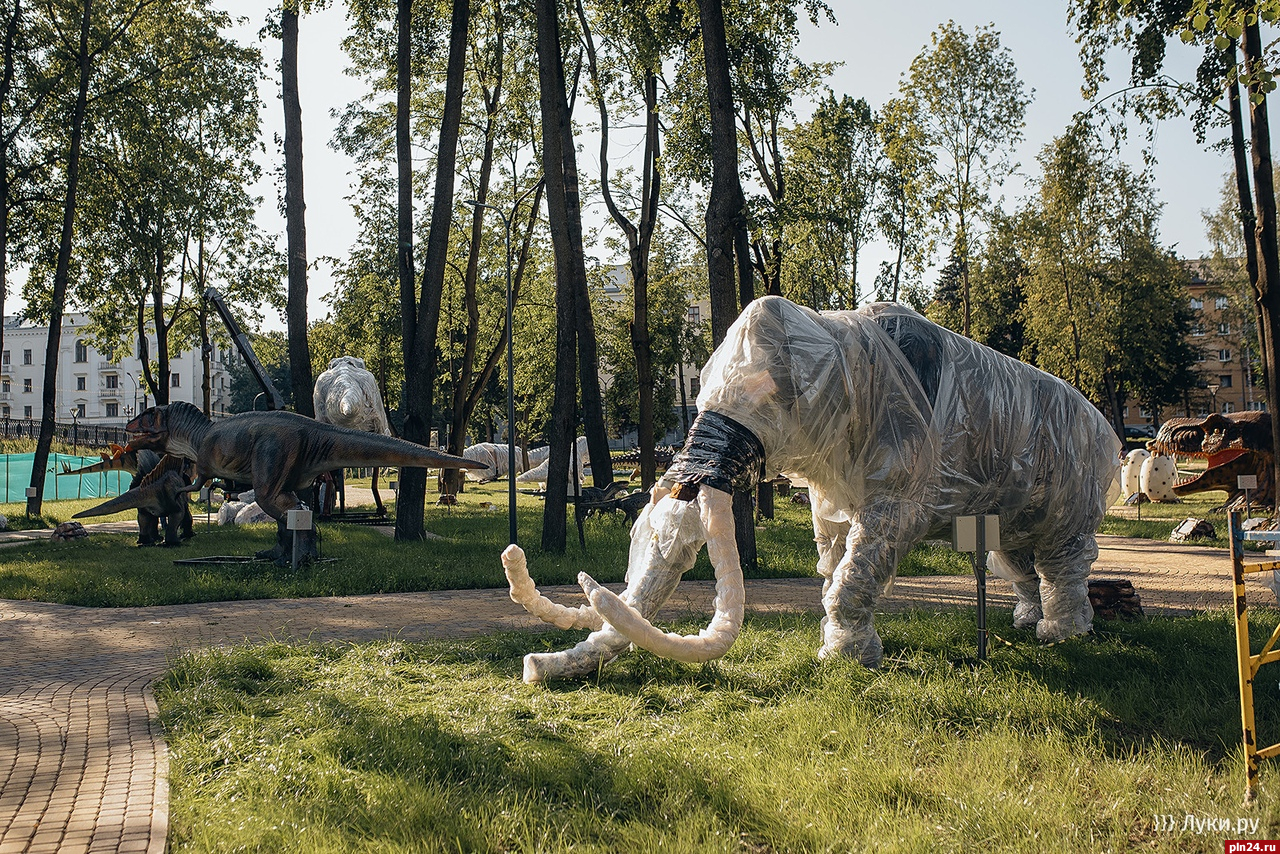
column 437, row 746
column 1106, row 307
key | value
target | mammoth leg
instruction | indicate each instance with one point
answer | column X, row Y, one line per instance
column 1018, row 567
column 878, row 537
column 832, row 539
column 1064, row 588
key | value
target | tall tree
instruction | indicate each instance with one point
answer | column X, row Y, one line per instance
column 966, row 98
column 420, row 320
column 729, row 273
column 82, row 59
column 295, row 208
column 639, row 49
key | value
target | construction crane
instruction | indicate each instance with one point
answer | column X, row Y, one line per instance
column 274, row 400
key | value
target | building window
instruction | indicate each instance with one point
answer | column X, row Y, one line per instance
column 1196, row 305
column 5, row 413
column 26, row 357
column 1197, row 328
column 1199, row 355
column 4, row 358
column 26, row 385
column 695, row 314
column 175, row 380
column 113, row 381
column 1227, row 407
column 1257, row 405
column 5, row 386
column 113, row 410
column 1144, row 413
column 1224, row 381
column 80, row 383
column 1224, row 328
column 26, row 412
column 695, row 386
column 82, row 352
column 79, row 410
column 1220, row 303
column 1224, row 355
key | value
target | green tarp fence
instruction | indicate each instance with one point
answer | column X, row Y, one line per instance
column 15, row 477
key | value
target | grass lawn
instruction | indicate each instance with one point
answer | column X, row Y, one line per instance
column 439, row 747
column 109, row 571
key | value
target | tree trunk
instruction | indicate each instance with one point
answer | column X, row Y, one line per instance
column 404, row 187
column 6, row 84
column 1248, row 220
column 1268, row 287
column 563, row 217
column 62, row 272
column 295, row 218
column 420, row 347
column 725, row 223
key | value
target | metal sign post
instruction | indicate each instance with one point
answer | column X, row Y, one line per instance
column 297, row 520
column 978, row 535
column 1247, row 482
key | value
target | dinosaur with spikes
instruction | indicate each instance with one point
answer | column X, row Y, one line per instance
column 279, row 453
column 158, row 495
column 141, row 464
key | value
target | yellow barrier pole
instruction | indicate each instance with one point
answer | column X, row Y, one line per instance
column 1244, row 659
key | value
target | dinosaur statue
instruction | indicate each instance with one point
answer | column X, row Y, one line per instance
column 160, row 494
column 346, row 394
column 139, row 464
column 1234, row 444
column 277, row 453
column 898, row 425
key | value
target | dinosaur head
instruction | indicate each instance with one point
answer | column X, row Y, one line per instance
column 1231, row 445
column 155, row 428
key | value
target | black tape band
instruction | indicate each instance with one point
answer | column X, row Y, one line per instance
column 719, row 452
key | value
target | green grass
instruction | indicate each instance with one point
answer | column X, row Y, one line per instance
column 439, row 747
column 53, row 512
column 1159, row 520
column 107, row 570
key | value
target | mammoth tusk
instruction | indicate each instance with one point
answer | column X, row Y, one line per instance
column 712, row 642
column 525, row 593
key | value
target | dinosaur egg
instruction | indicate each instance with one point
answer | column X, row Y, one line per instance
column 1131, row 471
column 1157, row 478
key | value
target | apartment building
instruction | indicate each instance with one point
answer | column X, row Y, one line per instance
column 95, row 387
column 1227, row 380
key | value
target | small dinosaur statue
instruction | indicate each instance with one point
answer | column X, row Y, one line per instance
column 278, row 453
column 160, row 494
column 139, row 464
column 1234, row 444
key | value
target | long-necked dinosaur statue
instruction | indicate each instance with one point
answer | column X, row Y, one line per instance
column 1234, row 444
column 139, row 464
column 160, row 494
column 277, row 452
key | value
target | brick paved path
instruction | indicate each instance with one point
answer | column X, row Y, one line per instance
column 83, row 767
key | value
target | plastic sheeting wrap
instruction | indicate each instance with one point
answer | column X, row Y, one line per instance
column 346, row 394
column 495, row 457
column 900, row 425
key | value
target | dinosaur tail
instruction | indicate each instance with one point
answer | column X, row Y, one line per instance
column 131, row 500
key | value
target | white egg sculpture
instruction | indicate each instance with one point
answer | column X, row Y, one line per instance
column 1131, row 473
column 1157, row 478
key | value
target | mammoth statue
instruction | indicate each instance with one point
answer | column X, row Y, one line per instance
column 898, row 425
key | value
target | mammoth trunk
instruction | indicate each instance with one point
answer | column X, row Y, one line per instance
column 665, row 542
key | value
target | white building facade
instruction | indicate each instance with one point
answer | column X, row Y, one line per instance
column 95, row 387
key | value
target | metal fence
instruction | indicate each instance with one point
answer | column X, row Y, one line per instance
column 73, row 433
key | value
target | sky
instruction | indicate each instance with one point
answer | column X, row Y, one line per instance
column 874, row 44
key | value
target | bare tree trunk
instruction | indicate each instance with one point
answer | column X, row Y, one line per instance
column 725, row 223
column 1248, row 219
column 404, row 186
column 6, row 85
column 62, row 272
column 424, row 318
column 295, row 216
column 1268, row 287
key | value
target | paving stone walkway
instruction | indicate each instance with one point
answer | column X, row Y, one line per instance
column 83, row 766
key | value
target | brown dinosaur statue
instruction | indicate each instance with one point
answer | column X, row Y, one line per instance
column 278, row 453
column 139, row 464
column 160, row 494
column 1232, row 445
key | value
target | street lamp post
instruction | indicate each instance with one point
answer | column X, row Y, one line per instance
column 75, row 430
column 1213, row 395
column 511, row 373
